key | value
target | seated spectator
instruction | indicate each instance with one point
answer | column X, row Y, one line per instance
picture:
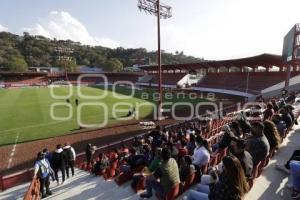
column 257, row 145
column 270, row 131
column 168, row 174
column 269, row 112
column 186, row 168
column 157, row 137
column 101, row 164
column 191, row 145
column 280, row 124
column 132, row 161
column 231, row 184
column 201, row 154
column 295, row 172
column 237, row 148
column 156, row 162
column 286, row 117
column 291, row 98
column 286, row 168
column 174, row 151
column 244, row 123
column 275, row 105
column 225, row 141
column 290, row 110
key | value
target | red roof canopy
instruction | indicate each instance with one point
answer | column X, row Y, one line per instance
column 265, row 60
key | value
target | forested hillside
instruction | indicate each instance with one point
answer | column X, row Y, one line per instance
column 17, row 53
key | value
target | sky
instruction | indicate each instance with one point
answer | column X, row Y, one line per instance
column 209, row 29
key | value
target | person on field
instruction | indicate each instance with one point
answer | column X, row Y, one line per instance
column 76, row 102
column 42, row 171
column 71, row 156
column 59, row 161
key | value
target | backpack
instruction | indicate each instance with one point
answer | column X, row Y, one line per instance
column 43, row 169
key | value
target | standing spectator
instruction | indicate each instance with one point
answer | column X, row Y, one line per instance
column 168, row 174
column 59, row 163
column 270, row 131
column 230, row 185
column 257, row 145
column 42, row 171
column 89, row 153
column 71, row 156
column 48, row 155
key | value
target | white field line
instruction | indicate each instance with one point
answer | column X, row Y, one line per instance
column 13, row 151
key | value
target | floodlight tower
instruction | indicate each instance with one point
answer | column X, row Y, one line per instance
column 64, row 54
column 164, row 11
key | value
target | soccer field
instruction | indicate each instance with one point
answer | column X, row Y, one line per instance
column 25, row 113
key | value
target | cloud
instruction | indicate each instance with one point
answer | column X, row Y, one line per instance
column 3, row 28
column 61, row 25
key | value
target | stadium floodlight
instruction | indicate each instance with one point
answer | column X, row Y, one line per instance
column 64, row 54
column 160, row 10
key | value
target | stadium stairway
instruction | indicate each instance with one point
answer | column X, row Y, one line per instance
column 82, row 186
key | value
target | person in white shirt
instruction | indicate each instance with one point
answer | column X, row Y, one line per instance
column 71, row 157
column 201, row 154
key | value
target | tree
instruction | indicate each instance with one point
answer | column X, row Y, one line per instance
column 17, row 64
column 69, row 65
column 113, row 65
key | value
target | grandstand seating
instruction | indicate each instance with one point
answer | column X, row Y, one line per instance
column 213, row 137
column 238, row 80
column 111, row 78
column 24, row 80
column 168, row 79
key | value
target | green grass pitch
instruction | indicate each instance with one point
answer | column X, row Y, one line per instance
column 25, row 112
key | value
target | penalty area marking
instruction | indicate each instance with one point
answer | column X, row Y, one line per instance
column 13, row 151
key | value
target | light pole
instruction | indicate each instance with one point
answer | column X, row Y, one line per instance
column 160, row 10
column 64, row 55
